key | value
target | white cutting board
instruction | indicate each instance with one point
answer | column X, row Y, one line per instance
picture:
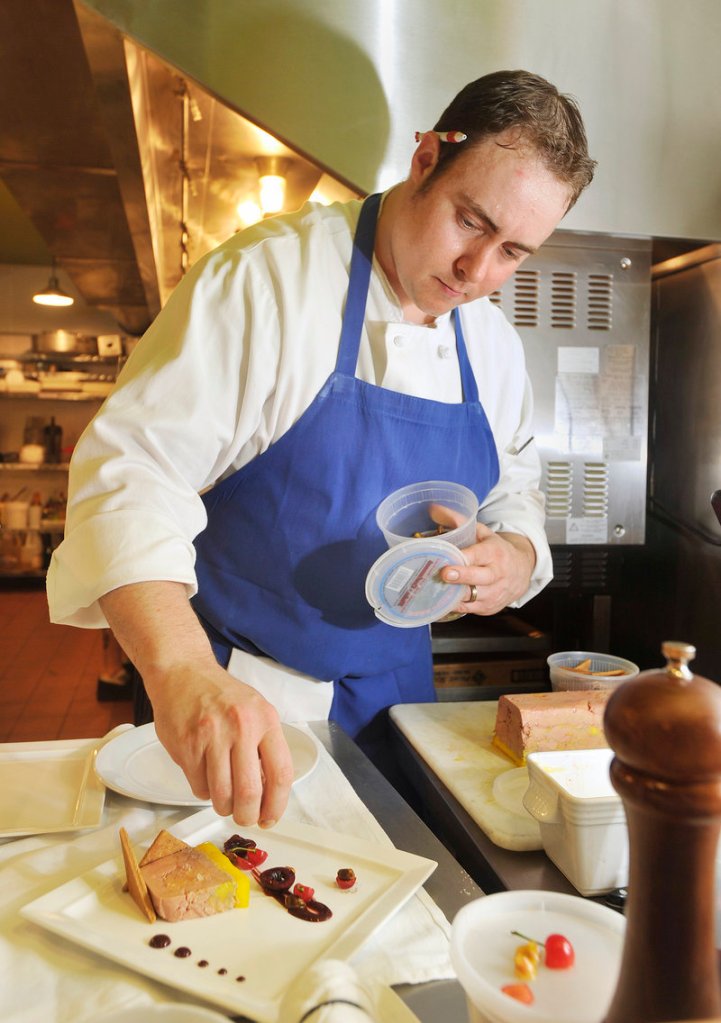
column 455, row 741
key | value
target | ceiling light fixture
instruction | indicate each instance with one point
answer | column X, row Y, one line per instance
column 53, row 294
column 249, row 212
column 271, row 176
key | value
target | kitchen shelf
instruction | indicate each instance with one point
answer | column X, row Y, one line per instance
column 52, row 396
column 46, row 526
column 27, row 467
column 503, row 633
column 22, row 573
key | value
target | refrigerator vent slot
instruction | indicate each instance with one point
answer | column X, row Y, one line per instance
column 579, row 570
column 600, row 294
column 594, row 570
column 525, row 298
column 497, row 298
column 563, row 300
column 562, row 569
column 595, row 490
column 559, row 490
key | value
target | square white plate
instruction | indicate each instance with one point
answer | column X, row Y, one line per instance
column 263, row 943
column 49, row 786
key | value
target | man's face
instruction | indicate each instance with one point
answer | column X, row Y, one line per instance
column 458, row 237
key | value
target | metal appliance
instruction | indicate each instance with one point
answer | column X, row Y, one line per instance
column 582, row 308
column 675, row 586
column 581, row 305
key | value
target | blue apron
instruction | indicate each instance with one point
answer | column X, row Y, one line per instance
column 282, row 563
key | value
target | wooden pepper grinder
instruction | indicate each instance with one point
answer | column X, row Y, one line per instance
column 665, row 730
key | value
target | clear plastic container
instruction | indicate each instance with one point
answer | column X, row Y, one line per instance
column 417, row 510
column 563, row 678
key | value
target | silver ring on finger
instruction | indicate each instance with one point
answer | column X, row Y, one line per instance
column 474, row 594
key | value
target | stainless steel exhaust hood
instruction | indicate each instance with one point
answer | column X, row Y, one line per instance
column 90, row 101
column 347, row 84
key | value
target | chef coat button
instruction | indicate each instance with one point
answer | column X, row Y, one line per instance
column 444, row 352
column 398, row 341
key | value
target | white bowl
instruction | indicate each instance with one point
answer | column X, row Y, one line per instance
column 482, row 949
column 15, row 514
column 563, row 678
column 581, row 817
column 32, row 454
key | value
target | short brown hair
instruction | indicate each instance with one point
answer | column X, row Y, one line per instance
column 546, row 119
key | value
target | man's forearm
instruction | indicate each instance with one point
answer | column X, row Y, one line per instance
column 156, row 626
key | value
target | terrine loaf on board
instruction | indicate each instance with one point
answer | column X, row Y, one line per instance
column 535, row 722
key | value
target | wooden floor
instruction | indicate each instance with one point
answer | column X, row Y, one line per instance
column 49, row 674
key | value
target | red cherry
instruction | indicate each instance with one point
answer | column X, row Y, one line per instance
column 559, row 952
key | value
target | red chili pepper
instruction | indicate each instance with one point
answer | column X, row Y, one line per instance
column 345, row 878
column 304, row 892
column 559, row 952
column 521, row 992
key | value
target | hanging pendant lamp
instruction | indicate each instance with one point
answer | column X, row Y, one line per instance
column 53, row 294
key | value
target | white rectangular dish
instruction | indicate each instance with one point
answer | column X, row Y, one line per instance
column 581, row 817
column 49, row 786
column 262, row 944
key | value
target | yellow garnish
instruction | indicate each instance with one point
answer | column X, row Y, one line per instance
column 526, row 960
column 242, row 884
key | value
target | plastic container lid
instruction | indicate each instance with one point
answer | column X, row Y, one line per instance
column 404, row 588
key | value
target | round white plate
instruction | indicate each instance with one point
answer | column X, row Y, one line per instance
column 509, row 788
column 166, row 1013
column 136, row 765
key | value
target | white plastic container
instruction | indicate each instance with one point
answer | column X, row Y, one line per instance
column 15, row 514
column 32, row 454
column 410, row 510
column 581, row 817
column 482, row 949
column 562, row 678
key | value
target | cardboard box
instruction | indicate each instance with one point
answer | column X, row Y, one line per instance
column 499, row 671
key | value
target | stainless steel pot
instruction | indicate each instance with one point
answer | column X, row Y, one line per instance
column 65, row 341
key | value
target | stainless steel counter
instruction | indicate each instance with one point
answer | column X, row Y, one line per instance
column 450, row 886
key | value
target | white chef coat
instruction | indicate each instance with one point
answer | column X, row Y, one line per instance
column 237, row 355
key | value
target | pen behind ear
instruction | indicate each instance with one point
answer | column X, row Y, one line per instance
column 513, row 450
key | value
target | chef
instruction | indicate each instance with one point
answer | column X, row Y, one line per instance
column 221, row 514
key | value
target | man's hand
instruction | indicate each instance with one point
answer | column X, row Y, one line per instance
column 499, row 570
column 225, row 736
column 227, row 739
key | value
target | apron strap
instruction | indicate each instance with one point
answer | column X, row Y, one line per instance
column 468, row 379
column 360, row 274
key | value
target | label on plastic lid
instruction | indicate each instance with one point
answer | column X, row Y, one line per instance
column 404, row 586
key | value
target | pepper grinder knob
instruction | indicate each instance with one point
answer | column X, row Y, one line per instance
column 664, row 728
